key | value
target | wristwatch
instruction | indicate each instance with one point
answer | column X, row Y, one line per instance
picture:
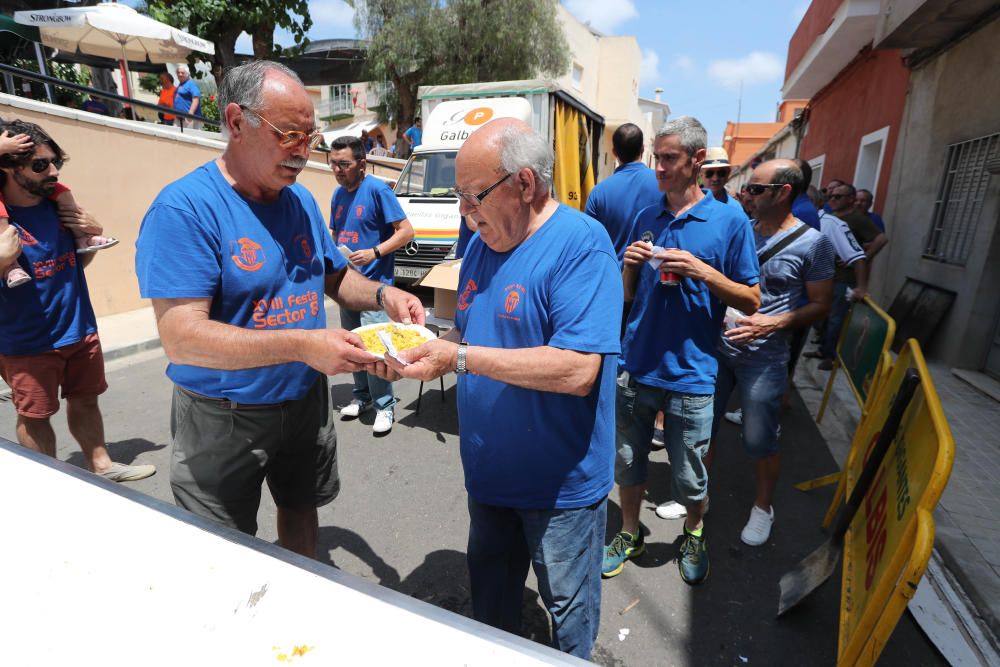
column 378, row 255
column 460, row 367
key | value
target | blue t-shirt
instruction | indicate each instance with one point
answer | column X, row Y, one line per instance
column 805, row 210
column 673, row 331
column 464, row 236
column 53, row 310
column 614, row 201
column 877, row 219
column 416, row 134
column 561, row 287
column 734, row 203
column 184, row 95
column 783, row 279
column 262, row 265
column 362, row 219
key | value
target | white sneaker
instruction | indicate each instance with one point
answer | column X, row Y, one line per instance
column 674, row 510
column 735, row 417
column 383, row 421
column 758, row 528
column 355, row 408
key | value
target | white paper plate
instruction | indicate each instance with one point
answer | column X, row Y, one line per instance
column 424, row 331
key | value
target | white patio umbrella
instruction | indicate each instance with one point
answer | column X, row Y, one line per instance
column 111, row 30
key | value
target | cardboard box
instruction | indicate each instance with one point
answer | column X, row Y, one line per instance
column 444, row 279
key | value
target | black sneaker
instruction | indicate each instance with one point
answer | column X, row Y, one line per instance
column 693, row 562
column 657, row 443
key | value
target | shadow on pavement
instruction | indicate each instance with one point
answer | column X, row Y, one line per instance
column 122, row 451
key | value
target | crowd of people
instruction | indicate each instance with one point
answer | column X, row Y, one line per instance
column 582, row 340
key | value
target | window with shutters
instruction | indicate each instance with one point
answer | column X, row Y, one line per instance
column 960, row 199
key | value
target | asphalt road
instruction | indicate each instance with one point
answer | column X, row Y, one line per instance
column 401, row 521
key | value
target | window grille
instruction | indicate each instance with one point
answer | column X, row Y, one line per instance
column 960, row 199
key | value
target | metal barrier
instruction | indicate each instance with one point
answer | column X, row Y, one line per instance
column 103, row 94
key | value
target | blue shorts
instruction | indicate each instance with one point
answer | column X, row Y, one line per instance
column 760, row 390
column 687, row 429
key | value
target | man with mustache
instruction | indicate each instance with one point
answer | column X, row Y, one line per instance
column 239, row 306
column 48, row 331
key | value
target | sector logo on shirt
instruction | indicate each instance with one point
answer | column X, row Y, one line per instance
column 514, row 294
column 359, row 211
column 467, row 295
column 247, row 254
column 26, row 237
column 302, row 249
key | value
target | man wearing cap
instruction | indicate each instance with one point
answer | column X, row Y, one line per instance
column 714, row 174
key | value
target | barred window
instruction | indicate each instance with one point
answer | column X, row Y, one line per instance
column 960, row 199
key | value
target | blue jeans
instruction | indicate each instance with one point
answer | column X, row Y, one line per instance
column 367, row 387
column 761, row 389
column 835, row 320
column 565, row 546
column 687, row 430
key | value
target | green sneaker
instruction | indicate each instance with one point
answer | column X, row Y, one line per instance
column 622, row 548
column 693, row 562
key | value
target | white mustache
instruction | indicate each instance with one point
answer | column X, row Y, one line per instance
column 295, row 162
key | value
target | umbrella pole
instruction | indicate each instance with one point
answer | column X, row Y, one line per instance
column 44, row 70
column 128, row 76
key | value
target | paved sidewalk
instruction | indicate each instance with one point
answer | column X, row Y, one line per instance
column 968, row 533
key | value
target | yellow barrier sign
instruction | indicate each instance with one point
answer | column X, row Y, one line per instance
column 890, row 539
column 862, row 348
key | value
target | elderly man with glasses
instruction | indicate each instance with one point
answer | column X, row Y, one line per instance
column 237, row 259
column 367, row 220
column 535, row 347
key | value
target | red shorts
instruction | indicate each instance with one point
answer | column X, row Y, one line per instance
column 35, row 379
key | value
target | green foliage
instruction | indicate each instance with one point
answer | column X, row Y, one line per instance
column 210, row 110
column 65, row 71
column 426, row 42
column 150, row 83
column 222, row 21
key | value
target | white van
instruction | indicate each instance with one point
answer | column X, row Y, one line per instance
column 424, row 187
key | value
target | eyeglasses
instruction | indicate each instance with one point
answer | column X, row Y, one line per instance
column 761, row 188
column 291, row 138
column 343, row 164
column 477, row 200
column 715, row 173
column 42, row 164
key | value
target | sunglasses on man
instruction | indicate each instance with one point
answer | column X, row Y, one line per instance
column 761, row 188
column 290, row 138
column 715, row 173
column 41, row 164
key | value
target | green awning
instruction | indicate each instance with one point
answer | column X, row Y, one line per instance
column 12, row 32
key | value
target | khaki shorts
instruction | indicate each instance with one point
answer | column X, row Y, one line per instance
column 223, row 453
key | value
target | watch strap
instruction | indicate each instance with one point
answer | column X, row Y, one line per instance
column 461, row 367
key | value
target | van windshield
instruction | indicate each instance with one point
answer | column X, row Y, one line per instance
column 428, row 175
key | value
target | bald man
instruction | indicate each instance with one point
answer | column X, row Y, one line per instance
column 237, row 260
column 796, row 278
column 535, row 347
